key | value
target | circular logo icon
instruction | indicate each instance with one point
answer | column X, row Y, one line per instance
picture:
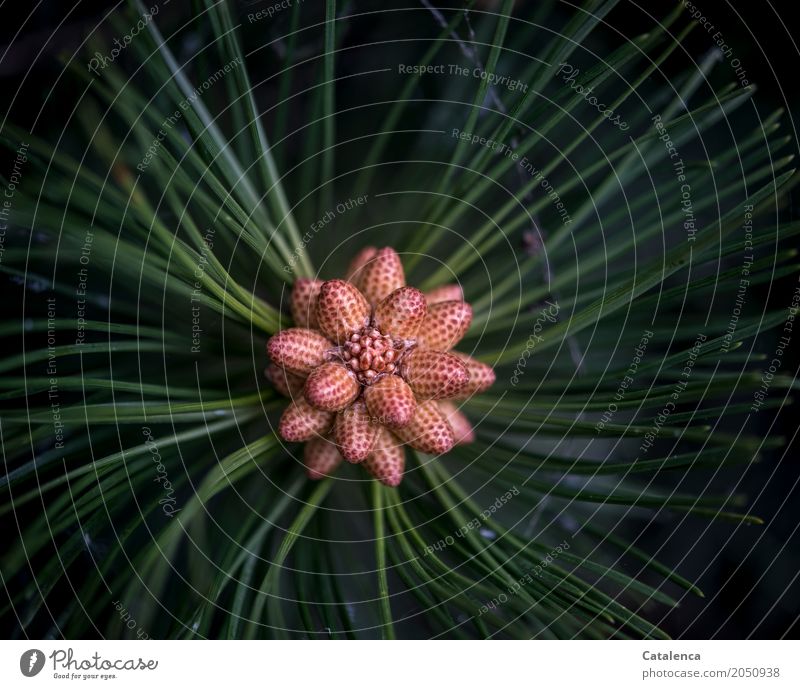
column 31, row 662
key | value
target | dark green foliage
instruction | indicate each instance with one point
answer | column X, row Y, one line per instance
column 210, row 231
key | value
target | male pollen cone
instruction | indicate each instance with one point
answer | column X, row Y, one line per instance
column 331, row 387
column 341, row 310
column 381, row 275
column 462, row 428
column 303, row 302
column 320, row 457
column 388, row 459
column 301, row 422
column 354, row 432
column 444, row 293
column 481, row 376
column 354, row 270
column 434, row 375
column 287, row 384
column 390, row 401
column 428, row 431
column 445, row 324
column 298, row 350
column 401, row 313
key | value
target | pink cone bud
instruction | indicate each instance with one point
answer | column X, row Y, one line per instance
column 401, row 313
column 381, row 275
column 428, row 431
column 390, row 401
column 303, row 302
column 298, row 350
column 444, row 326
column 434, row 375
column 341, row 310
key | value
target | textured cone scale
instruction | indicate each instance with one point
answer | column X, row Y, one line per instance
column 434, row 375
column 388, row 459
column 428, row 430
column 381, row 276
column 303, row 302
column 401, row 313
column 361, row 259
column 331, row 387
column 481, row 376
column 300, row 422
column 390, row 401
column 444, row 326
column 298, row 350
column 462, row 428
column 321, row 457
column 444, row 293
column 341, row 310
column 288, row 384
column 354, row 433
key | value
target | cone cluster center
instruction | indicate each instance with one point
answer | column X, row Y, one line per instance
column 371, row 354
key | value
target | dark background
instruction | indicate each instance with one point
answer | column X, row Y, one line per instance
column 750, row 574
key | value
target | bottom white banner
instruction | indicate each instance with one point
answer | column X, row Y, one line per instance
column 382, row 665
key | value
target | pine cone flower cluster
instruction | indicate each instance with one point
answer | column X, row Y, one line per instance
column 369, row 368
